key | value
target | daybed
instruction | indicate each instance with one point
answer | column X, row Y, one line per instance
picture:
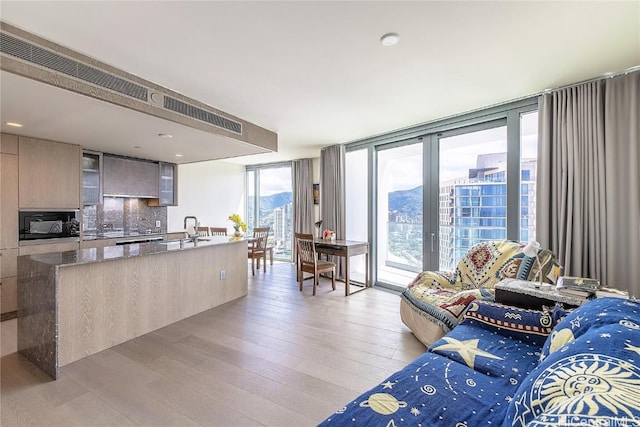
column 504, row 366
column 435, row 301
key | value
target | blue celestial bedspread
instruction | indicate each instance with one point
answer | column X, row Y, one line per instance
column 466, row 379
column 508, row 367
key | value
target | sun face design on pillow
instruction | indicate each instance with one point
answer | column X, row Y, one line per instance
column 577, row 385
column 585, row 384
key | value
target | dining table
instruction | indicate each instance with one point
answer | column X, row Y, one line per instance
column 346, row 249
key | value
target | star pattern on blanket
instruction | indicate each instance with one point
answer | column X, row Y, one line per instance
column 467, row 349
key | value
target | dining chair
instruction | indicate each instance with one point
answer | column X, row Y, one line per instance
column 258, row 248
column 309, row 263
column 202, row 231
column 296, row 237
column 217, row 231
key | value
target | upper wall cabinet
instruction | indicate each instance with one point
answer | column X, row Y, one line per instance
column 168, row 194
column 130, row 178
column 49, row 174
column 91, row 178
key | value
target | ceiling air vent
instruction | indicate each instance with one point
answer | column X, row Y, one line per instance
column 53, row 61
column 202, row 115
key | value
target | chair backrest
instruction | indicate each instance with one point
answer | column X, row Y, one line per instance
column 306, row 251
column 218, row 231
column 298, row 236
column 261, row 235
column 202, row 231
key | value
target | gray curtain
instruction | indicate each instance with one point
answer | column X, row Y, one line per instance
column 302, row 177
column 332, row 195
column 622, row 154
column 587, row 166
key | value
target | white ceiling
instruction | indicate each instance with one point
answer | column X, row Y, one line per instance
column 313, row 72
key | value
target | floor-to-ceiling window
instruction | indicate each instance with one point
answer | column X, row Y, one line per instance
column 400, row 212
column 528, row 172
column 357, row 225
column 269, row 195
column 472, row 191
column 438, row 189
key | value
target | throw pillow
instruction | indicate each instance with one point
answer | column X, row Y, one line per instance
column 530, row 326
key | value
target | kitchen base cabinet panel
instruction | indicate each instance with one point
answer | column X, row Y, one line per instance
column 77, row 303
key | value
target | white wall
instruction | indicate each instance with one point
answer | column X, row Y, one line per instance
column 209, row 190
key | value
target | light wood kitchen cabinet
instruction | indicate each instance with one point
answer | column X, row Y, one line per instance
column 49, row 247
column 49, row 174
column 8, row 274
column 9, row 262
column 9, row 201
column 130, row 177
column 9, row 144
column 8, row 223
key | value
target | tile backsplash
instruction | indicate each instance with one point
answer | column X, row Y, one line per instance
column 123, row 214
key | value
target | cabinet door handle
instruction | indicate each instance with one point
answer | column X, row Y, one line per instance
column 433, row 242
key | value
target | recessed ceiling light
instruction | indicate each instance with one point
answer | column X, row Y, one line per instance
column 179, row 155
column 14, row 124
column 165, row 135
column 390, row 39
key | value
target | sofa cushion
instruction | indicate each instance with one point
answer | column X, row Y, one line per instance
column 531, row 326
column 590, row 372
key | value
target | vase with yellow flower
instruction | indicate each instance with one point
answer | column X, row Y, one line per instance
column 238, row 225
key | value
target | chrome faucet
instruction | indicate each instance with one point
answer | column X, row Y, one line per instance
column 195, row 226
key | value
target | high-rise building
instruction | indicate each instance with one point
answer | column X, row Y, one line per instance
column 281, row 228
column 474, row 209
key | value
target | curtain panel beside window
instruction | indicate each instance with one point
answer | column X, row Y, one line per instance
column 303, row 196
column 332, row 195
column 588, row 204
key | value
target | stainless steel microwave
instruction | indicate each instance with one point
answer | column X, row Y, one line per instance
column 41, row 224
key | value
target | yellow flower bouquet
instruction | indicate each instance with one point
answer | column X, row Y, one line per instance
column 238, row 224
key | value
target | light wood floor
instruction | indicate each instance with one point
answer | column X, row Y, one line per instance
column 278, row 357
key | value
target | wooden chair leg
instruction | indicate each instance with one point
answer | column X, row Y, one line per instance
column 301, row 280
column 333, row 279
column 265, row 261
column 253, row 268
column 315, row 283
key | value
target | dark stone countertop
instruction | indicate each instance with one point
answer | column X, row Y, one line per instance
column 87, row 256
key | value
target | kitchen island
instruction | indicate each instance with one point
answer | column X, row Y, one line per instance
column 76, row 303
